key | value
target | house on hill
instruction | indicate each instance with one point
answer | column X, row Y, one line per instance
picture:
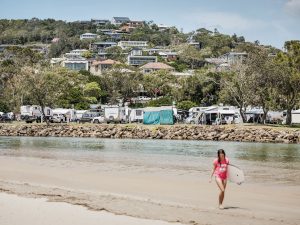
column 88, row 36
column 139, row 60
column 130, row 26
column 119, row 20
column 227, row 60
column 98, row 67
column 156, row 66
column 100, row 48
column 100, row 21
column 133, row 44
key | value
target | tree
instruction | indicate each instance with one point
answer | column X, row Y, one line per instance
column 42, row 86
column 288, row 77
column 260, row 71
column 193, row 56
column 186, row 105
column 164, row 101
column 115, row 53
column 235, row 89
column 4, row 107
column 121, row 85
column 159, row 83
column 87, row 54
column 92, row 92
column 191, row 88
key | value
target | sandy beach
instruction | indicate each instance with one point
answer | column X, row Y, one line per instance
column 146, row 193
column 17, row 210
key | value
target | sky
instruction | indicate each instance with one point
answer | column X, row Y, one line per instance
column 269, row 21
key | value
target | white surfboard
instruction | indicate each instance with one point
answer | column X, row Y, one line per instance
column 235, row 174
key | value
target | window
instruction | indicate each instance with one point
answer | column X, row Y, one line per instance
column 213, row 116
column 138, row 112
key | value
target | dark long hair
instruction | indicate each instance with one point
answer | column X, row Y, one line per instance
column 221, row 151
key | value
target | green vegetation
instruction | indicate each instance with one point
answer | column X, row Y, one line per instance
column 186, row 105
column 26, row 76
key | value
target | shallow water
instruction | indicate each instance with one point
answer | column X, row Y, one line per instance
column 279, row 163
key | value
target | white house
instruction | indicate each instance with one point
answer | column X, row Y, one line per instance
column 88, row 36
column 227, row 60
column 140, row 60
column 132, row 44
column 76, row 54
column 76, row 64
column 162, row 27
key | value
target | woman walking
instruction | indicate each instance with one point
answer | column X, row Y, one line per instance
column 220, row 172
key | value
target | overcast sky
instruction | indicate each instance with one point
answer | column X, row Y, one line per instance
column 269, row 21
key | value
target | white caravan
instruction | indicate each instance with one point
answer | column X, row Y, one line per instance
column 116, row 114
column 296, row 116
column 31, row 113
column 68, row 115
column 136, row 115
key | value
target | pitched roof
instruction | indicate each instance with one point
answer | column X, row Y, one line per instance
column 157, row 65
column 105, row 62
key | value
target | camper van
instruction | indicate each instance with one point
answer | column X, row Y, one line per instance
column 219, row 117
column 216, row 115
column 31, row 113
column 116, row 114
column 136, row 115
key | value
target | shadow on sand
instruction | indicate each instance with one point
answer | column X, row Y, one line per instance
column 232, row 207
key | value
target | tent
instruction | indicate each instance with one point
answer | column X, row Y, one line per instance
column 158, row 115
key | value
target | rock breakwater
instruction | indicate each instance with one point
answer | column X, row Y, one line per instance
column 176, row 132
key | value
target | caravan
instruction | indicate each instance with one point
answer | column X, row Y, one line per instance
column 216, row 115
column 296, row 116
column 116, row 114
column 64, row 115
column 31, row 113
column 136, row 115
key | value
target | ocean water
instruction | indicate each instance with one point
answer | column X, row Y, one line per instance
column 261, row 162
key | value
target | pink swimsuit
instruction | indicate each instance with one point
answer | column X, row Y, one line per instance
column 221, row 168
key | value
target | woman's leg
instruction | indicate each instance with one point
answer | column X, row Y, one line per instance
column 224, row 182
column 222, row 189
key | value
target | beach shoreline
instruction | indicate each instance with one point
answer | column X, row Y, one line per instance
column 17, row 210
column 155, row 195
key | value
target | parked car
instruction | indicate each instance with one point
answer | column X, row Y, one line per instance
column 88, row 116
column 98, row 119
column 57, row 118
column 194, row 118
column 4, row 118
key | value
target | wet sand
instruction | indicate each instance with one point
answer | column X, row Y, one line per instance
column 17, row 210
column 148, row 193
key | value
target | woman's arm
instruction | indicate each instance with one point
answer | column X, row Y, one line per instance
column 212, row 172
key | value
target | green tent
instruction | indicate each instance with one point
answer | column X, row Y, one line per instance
column 158, row 116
